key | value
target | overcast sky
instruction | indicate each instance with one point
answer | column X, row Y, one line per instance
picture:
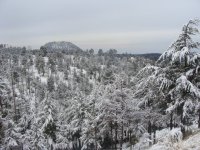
column 135, row 26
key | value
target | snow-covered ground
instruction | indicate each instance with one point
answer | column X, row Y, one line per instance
column 169, row 140
column 191, row 143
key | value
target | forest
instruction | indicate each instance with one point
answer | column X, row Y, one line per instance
column 61, row 97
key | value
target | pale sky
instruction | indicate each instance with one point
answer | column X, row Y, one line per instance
column 133, row 26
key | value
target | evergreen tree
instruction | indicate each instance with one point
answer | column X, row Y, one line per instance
column 50, row 84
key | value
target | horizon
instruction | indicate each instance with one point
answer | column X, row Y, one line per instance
column 133, row 27
column 29, row 48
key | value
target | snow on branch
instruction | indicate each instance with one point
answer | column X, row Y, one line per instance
column 184, row 84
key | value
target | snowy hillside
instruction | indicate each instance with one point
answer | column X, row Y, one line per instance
column 52, row 99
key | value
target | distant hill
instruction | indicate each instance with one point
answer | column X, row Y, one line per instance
column 63, row 46
column 152, row 56
column 12, row 50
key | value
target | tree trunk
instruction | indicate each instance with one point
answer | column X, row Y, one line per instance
column 111, row 134
column 116, row 136
column 130, row 140
column 154, row 135
column 182, row 127
column 185, row 61
column 149, row 131
column 199, row 120
column 35, row 93
column 22, row 86
column 13, row 92
column 1, row 104
column 122, row 136
column 171, row 121
column 95, row 130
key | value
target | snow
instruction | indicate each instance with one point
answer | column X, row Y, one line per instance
column 166, row 140
column 169, row 140
column 86, row 108
column 46, row 59
column 12, row 142
column 180, row 55
column 183, row 83
column 174, row 55
column 166, row 54
column 191, row 143
column 189, row 72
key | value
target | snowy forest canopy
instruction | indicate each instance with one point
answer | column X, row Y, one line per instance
column 79, row 100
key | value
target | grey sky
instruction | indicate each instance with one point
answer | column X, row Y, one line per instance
column 135, row 26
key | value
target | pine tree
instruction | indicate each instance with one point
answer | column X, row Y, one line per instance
column 50, row 84
column 180, row 51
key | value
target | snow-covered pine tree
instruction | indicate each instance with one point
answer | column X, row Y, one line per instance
column 170, row 88
column 180, row 51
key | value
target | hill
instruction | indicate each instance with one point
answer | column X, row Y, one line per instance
column 63, row 46
column 152, row 56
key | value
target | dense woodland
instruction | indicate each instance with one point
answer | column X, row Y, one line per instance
column 82, row 100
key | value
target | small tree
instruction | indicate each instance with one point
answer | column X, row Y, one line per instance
column 100, row 52
column 50, row 84
column 43, row 51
